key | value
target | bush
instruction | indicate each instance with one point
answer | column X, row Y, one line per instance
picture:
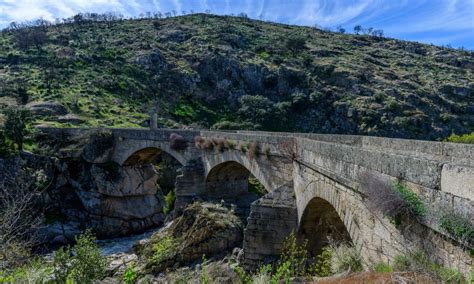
column 295, row 43
column 84, row 263
column 458, row 227
column 130, row 275
column 163, row 250
column 466, row 138
column 420, row 262
column 169, row 202
column 323, row 267
column 7, row 147
column 177, row 142
column 415, row 205
column 16, row 126
column 393, row 200
column 253, row 150
column 345, row 258
column 256, row 187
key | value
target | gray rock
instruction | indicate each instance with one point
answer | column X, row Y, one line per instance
column 125, row 181
column 47, row 108
column 127, row 208
column 70, row 118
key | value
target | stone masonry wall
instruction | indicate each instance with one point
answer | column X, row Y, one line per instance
column 272, row 218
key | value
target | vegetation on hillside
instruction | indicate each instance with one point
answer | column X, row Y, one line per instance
column 232, row 72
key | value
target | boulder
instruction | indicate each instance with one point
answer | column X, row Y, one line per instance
column 127, row 208
column 203, row 229
column 47, row 108
column 70, row 118
column 124, row 181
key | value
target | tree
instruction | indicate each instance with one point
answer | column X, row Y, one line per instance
column 257, row 109
column 25, row 36
column 16, row 122
column 357, row 29
column 19, row 213
column 340, row 29
column 370, row 30
column 377, row 33
column 174, row 13
column 295, row 43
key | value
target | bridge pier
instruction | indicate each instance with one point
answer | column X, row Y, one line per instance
column 190, row 184
column 272, row 218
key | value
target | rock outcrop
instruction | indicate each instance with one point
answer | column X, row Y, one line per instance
column 203, row 229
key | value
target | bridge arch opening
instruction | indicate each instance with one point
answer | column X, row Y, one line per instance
column 166, row 168
column 321, row 225
column 235, row 185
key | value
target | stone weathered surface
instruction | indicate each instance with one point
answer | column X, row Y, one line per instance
column 458, row 180
column 272, row 218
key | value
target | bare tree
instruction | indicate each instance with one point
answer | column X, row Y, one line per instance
column 19, row 214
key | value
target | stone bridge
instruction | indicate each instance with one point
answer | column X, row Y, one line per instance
column 316, row 186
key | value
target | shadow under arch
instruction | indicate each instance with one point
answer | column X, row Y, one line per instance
column 233, row 183
column 321, row 225
column 146, row 156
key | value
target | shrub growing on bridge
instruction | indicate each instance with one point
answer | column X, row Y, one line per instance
column 393, row 200
column 177, row 142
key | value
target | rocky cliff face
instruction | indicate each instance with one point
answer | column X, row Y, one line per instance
column 86, row 190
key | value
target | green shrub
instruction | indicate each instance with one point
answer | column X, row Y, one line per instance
column 345, row 258
column 84, row 263
column 169, row 202
column 256, row 187
column 130, row 275
column 294, row 257
column 415, row 205
column 163, row 250
column 420, row 262
column 7, row 147
column 17, row 122
column 466, row 138
column 204, row 275
column 34, row 271
column 382, row 268
column 458, row 226
column 323, row 267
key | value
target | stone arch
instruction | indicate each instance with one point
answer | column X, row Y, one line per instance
column 320, row 225
column 143, row 151
column 271, row 173
column 227, row 179
column 229, row 182
column 312, row 188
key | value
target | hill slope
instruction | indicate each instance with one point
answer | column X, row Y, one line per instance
column 229, row 72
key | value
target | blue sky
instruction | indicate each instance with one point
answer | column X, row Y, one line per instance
column 439, row 22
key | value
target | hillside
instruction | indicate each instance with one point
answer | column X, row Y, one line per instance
column 228, row 72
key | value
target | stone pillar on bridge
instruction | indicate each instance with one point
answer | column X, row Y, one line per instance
column 153, row 120
column 272, row 218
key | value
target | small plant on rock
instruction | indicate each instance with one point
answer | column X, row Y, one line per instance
column 458, row 227
column 130, row 275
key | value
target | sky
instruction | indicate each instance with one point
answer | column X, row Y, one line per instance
column 441, row 22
